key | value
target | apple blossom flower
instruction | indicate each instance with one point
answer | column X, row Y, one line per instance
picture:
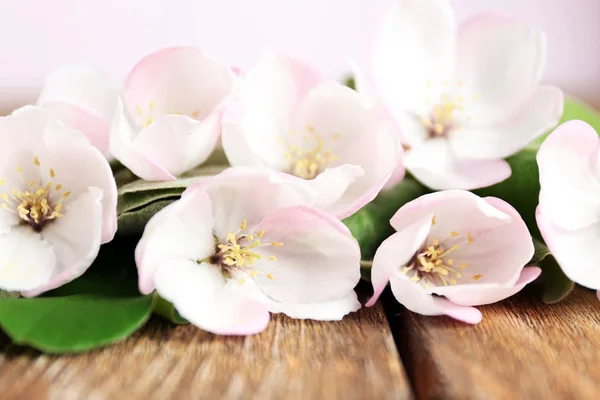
column 463, row 98
column 58, row 202
column 569, row 211
column 454, row 250
column 83, row 98
column 170, row 119
column 319, row 133
column 239, row 245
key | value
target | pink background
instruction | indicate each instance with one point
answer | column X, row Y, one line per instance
column 37, row 36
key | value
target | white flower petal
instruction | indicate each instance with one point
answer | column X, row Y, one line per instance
column 412, row 296
column 77, row 166
column 26, row 260
column 414, row 45
column 539, row 113
column 395, row 252
column 498, row 251
column 317, row 263
column 82, row 86
column 333, row 310
column 177, row 80
column 233, row 197
column 481, row 294
column 182, row 230
column 569, row 166
column 500, row 60
column 331, row 187
column 202, row 296
column 573, row 249
column 75, row 239
column 435, row 165
column 268, row 96
column 178, row 143
column 122, row 134
column 339, row 121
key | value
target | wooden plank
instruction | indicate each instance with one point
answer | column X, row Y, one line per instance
column 352, row 359
column 523, row 349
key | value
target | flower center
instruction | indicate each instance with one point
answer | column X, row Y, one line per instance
column 35, row 202
column 237, row 253
column 432, row 265
column 311, row 157
column 448, row 111
column 145, row 118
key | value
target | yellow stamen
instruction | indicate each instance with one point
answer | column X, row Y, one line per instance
column 477, row 277
column 272, row 258
column 36, row 161
column 276, row 244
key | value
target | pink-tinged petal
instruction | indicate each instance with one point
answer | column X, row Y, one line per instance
column 122, row 134
column 494, row 226
column 395, row 252
column 202, row 296
column 406, row 126
column 268, row 96
column 454, row 210
column 182, row 230
column 481, row 294
column 573, row 249
column 500, row 60
column 26, row 260
column 470, row 315
column 535, row 116
column 489, row 254
column 331, row 186
column 233, row 197
column 77, row 166
column 569, row 163
column 333, row 310
column 83, row 87
column 94, row 127
column 435, row 165
column 413, row 45
column 237, row 149
column 412, row 296
column 177, row 80
column 339, row 121
column 75, row 239
column 318, row 261
column 598, row 294
column 178, row 143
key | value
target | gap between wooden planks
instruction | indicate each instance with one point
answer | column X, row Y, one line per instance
column 355, row 358
column 523, row 349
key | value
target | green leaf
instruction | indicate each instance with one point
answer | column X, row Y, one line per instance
column 98, row 308
column 138, row 201
column 371, row 225
column 555, row 284
column 166, row 310
column 74, row 323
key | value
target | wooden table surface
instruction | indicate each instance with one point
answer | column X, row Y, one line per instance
column 523, row 349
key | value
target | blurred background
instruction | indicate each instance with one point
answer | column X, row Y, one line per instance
column 37, row 36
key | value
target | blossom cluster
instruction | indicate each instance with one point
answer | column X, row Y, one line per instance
column 447, row 103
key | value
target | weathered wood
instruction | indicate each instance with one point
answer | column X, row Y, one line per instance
column 352, row 359
column 523, row 349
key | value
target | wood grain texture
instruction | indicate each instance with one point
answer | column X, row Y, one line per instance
column 523, row 349
column 352, row 359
